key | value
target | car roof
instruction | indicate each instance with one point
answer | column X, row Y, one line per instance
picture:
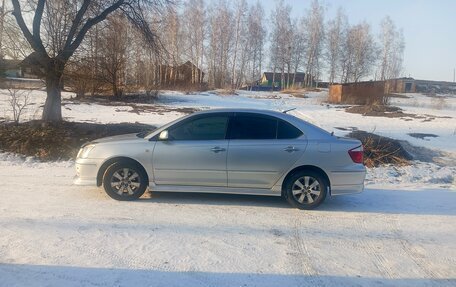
column 242, row 110
column 308, row 128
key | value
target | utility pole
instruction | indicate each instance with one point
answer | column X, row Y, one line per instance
column 454, row 75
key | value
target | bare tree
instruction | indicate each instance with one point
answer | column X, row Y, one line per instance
column 12, row 43
column 195, row 33
column 256, row 34
column 359, row 53
column 19, row 100
column 170, row 33
column 280, row 41
column 297, row 51
column 239, row 22
column 391, row 50
column 220, row 44
column 113, row 47
column 58, row 29
column 314, row 36
column 336, row 31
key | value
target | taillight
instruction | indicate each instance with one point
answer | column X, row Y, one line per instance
column 356, row 154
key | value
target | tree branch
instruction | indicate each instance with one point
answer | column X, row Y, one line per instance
column 76, row 22
column 37, row 20
column 36, row 44
column 67, row 53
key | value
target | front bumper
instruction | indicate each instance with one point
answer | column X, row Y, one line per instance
column 86, row 172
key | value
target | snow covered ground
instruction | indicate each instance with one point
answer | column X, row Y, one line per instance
column 399, row 232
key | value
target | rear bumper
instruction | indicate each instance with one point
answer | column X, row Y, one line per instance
column 346, row 189
column 348, row 182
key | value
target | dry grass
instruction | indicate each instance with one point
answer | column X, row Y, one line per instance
column 59, row 141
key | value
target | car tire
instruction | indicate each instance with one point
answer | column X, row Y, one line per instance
column 125, row 180
column 306, row 189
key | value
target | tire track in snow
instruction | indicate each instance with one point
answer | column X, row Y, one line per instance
column 421, row 261
column 380, row 262
column 302, row 256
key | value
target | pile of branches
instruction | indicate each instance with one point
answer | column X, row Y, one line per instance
column 380, row 150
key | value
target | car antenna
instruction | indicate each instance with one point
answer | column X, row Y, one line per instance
column 286, row 111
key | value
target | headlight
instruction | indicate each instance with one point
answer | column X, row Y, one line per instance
column 85, row 150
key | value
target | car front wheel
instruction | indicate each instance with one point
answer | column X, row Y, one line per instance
column 125, row 180
column 306, row 189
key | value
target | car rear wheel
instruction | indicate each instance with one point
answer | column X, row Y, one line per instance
column 306, row 189
column 125, row 180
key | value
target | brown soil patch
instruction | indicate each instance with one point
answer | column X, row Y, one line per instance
column 378, row 111
column 399, row 96
column 300, row 93
column 422, row 136
column 161, row 110
column 267, row 97
column 58, row 141
column 138, row 106
column 388, row 112
column 224, row 92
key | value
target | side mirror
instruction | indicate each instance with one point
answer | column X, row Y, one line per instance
column 163, row 135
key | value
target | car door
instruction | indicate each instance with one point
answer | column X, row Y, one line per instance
column 261, row 149
column 194, row 153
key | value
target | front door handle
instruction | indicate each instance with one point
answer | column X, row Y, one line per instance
column 290, row 149
column 217, row 149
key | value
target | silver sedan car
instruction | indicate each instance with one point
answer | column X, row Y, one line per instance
column 227, row 151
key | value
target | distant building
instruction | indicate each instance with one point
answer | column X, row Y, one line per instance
column 31, row 68
column 271, row 79
column 359, row 93
column 182, row 75
column 438, row 87
column 410, row 85
column 400, row 85
column 10, row 68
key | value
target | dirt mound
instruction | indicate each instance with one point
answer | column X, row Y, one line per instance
column 378, row 111
column 60, row 141
column 389, row 112
column 380, row 150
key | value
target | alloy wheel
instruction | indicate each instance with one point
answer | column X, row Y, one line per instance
column 306, row 190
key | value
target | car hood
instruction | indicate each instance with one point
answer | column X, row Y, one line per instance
column 118, row 139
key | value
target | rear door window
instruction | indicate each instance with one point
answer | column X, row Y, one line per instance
column 253, row 127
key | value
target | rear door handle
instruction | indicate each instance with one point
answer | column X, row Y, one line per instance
column 290, row 149
column 217, row 149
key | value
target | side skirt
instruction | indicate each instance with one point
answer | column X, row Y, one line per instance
column 205, row 189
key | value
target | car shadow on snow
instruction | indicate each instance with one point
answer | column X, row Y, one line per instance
column 216, row 199
column 431, row 202
column 52, row 275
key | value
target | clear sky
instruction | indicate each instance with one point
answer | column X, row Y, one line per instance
column 429, row 29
